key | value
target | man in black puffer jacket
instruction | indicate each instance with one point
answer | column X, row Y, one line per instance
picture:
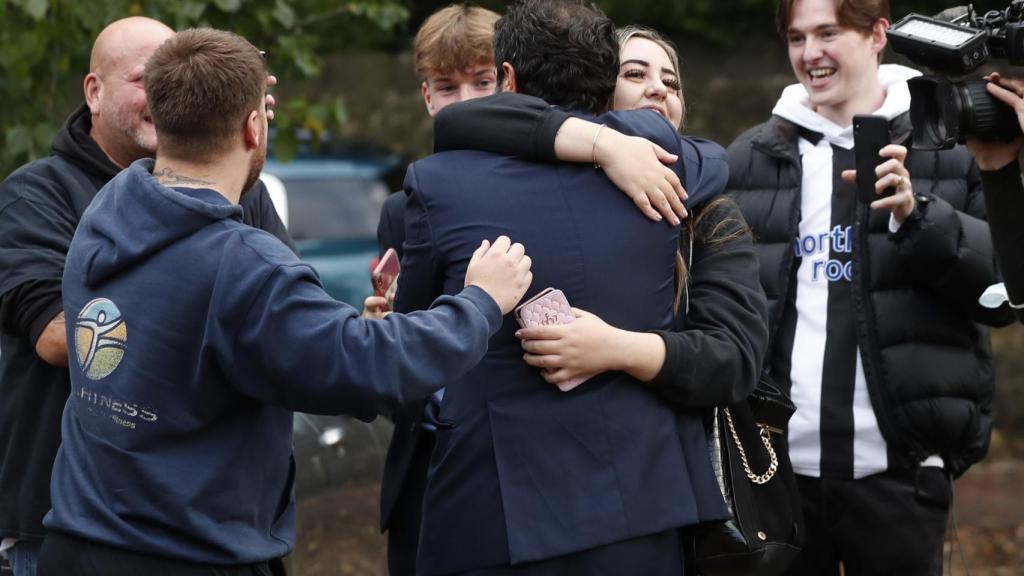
column 874, row 314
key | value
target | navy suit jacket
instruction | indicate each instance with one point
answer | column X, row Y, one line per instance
column 391, row 226
column 391, row 234
column 521, row 471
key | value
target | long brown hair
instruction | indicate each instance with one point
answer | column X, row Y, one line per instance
column 713, row 234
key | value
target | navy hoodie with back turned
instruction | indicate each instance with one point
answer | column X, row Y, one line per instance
column 192, row 337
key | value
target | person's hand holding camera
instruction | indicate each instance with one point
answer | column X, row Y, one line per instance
column 995, row 154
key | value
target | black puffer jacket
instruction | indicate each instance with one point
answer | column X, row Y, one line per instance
column 926, row 358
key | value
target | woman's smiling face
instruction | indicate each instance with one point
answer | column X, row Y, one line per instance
column 648, row 79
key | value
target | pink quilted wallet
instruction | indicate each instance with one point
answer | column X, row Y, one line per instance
column 547, row 308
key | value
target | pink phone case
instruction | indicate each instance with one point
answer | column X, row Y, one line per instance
column 547, row 308
column 385, row 276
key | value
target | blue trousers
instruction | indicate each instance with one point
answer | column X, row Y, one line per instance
column 24, row 557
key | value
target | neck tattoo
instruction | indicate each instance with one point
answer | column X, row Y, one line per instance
column 168, row 177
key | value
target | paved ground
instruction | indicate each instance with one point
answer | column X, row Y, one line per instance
column 990, row 516
column 337, row 535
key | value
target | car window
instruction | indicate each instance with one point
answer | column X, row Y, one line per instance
column 333, row 209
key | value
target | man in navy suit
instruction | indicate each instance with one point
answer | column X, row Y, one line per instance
column 454, row 58
column 525, row 479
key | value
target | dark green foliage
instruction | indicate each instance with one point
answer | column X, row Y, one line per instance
column 46, row 46
column 725, row 21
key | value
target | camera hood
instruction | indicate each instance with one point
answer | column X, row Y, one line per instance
column 934, row 112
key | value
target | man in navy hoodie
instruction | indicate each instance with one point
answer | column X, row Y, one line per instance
column 41, row 204
column 194, row 336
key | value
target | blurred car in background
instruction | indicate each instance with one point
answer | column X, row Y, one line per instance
column 331, row 205
column 331, row 202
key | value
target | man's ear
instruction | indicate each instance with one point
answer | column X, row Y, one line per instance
column 427, row 98
column 509, row 84
column 91, row 87
column 253, row 130
column 878, row 37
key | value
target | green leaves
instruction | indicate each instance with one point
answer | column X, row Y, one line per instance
column 302, row 57
column 46, row 46
column 284, row 13
column 725, row 22
column 229, row 6
column 36, row 9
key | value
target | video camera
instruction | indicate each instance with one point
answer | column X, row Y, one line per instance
column 947, row 108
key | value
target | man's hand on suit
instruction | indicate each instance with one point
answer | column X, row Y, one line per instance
column 501, row 269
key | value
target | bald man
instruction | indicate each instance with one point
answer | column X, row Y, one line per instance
column 40, row 206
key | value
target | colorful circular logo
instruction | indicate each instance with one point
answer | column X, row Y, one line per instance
column 101, row 338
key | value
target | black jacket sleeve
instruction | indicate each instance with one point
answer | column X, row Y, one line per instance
column 36, row 228
column 716, row 358
column 506, row 123
column 27, row 309
column 949, row 250
column 1004, row 198
column 258, row 211
column 391, row 226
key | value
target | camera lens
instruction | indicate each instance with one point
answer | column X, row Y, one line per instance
column 983, row 116
column 944, row 113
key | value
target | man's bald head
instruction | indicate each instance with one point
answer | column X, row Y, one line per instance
column 125, row 36
column 113, row 88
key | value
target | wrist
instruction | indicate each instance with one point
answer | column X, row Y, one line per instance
column 994, row 163
column 904, row 211
column 605, row 142
column 593, row 145
column 640, row 354
column 1012, row 165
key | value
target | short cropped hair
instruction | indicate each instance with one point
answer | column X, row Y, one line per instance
column 563, row 51
column 454, row 38
column 201, row 85
column 856, row 14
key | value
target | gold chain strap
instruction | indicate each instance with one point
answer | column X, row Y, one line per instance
column 766, row 438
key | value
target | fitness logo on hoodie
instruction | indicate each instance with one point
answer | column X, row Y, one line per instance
column 101, row 338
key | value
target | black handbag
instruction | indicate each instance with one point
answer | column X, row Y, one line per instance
column 751, row 460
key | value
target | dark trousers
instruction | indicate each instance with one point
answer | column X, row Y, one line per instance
column 886, row 524
column 656, row 555
column 66, row 555
column 404, row 524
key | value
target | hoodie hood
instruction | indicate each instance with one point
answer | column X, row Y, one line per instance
column 134, row 216
column 74, row 144
column 794, row 105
